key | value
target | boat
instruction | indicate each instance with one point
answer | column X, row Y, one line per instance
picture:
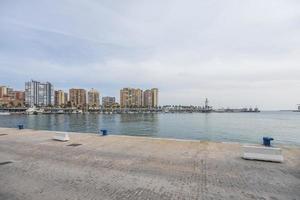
column 34, row 111
column 166, row 110
column 60, row 112
column 40, row 111
column 31, row 111
column 221, row 110
column 4, row 113
column 77, row 112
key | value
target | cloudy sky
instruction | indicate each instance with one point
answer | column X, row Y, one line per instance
column 236, row 53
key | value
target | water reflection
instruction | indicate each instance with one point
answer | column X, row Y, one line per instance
column 206, row 126
column 139, row 124
column 84, row 123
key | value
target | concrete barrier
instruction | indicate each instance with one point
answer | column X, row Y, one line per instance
column 262, row 153
column 61, row 136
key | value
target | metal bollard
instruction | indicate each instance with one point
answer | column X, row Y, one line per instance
column 104, row 132
column 267, row 141
column 21, row 126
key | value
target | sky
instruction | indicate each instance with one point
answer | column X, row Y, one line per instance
column 236, row 53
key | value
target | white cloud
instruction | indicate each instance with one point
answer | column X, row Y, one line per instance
column 237, row 53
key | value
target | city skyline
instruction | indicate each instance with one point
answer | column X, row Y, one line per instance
column 237, row 54
column 117, row 99
column 44, row 93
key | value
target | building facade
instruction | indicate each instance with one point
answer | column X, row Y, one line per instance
column 18, row 95
column 138, row 98
column 125, row 97
column 148, row 98
column 77, row 97
column 151, row 98
column 3, row 91
column 66, row 98
column 154, row 92
column 39, row 94
column 11, row 98
column 131, row 97
column 93, row 98
column 108, row 101
column 17, row 98
column 6, row 91
column 59, row 97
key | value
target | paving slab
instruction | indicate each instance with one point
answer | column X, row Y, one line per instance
column 123, row 167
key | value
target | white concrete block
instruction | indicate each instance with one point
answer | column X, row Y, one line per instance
column 263, row 153
column 61, row 136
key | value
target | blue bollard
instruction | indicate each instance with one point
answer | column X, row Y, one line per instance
column 267, row 141
column 20, row 126
column 104, row 132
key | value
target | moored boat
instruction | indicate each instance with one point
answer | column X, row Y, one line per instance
column 4, row 113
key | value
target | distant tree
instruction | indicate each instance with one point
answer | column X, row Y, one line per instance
column 69, row 104
column 11, row 104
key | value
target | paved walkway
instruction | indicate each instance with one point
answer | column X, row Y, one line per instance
column 32, row 166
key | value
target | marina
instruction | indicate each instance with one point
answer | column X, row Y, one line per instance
column 160, row 109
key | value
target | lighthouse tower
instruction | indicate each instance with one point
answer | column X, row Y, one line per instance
column 206, row 104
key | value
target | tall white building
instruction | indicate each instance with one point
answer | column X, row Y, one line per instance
column 39, row 94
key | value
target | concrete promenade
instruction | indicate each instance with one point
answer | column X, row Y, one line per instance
column 34, row 167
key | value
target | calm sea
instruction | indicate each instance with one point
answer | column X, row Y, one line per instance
column 284, row 127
